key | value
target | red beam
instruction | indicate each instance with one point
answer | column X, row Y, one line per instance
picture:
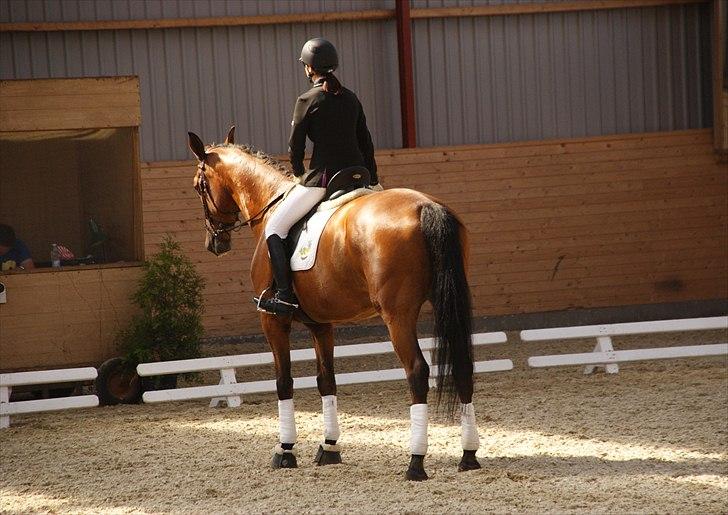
column 406, row 80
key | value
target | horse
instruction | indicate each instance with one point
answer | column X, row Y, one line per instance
column 382, row 254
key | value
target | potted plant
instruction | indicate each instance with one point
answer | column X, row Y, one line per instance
column 169, row 326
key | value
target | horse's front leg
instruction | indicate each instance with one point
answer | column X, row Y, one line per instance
column 277, row 331
column 329, row 452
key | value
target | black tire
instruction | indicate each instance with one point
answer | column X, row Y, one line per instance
column 65, row 391
column 165, row 382
column 117, row 383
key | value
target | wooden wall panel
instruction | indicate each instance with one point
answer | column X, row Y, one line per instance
column 554, row 225
column 53, row 104
column 69, row 318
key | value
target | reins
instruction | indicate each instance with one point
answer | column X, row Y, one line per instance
column 205, row 194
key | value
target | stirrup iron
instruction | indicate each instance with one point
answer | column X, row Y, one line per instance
column 258, row 300
column 273, row 300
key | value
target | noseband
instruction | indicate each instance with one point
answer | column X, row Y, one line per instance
column 216, row 228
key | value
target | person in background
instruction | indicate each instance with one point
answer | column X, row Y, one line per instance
column 13, row 252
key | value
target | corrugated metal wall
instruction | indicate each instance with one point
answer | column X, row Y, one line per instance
column 529, row 77
column 205, row 79
column 477, row 80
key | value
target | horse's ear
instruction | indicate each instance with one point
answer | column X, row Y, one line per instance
column 197, row 146
column 230, row 139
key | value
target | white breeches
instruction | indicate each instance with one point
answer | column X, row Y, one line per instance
column 299, row 201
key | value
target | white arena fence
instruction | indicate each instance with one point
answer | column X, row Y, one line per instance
column 8, row 381
column 604, row 354
column 229, row 390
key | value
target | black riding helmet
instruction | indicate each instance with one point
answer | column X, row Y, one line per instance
column 320, row 55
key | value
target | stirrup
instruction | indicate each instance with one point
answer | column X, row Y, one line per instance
column 274, row 305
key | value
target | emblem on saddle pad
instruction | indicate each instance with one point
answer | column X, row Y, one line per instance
column 305, row 250
column 304, row 255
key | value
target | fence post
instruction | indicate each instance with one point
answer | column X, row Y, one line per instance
column 227, row 376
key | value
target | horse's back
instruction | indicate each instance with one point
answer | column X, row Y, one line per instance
column 369, row 243
column 366, row 220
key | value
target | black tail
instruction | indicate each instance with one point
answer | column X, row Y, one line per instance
column 450, row 297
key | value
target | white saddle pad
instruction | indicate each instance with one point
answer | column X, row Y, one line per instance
column 304, row 256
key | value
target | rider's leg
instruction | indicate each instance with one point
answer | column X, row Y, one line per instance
column 296, row 204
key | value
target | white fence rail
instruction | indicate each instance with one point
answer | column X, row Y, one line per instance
column 604, row 354
column 229, row 390
column 8, row 381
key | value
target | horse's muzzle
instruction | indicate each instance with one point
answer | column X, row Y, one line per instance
column 218, row 245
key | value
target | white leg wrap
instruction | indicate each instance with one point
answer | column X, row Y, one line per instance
column 469, row 437
column 418, row 421
column 286, row 421
column 331, row 421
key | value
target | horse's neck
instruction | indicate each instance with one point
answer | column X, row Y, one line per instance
column 255, row 184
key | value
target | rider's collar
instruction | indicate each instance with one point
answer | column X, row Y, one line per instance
column 319, row 82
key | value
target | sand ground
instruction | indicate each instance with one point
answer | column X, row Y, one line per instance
column 651, row 439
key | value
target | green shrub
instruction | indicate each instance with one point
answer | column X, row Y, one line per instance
column 170, row 297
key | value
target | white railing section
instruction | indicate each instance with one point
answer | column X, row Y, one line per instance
column 8, row 381
column 229, row 390
column 604, row 354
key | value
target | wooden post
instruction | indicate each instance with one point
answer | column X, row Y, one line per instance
column 406, row 81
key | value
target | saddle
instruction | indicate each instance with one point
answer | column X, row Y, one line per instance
column 343, row 181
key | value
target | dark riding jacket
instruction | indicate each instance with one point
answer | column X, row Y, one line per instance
column 338, row 128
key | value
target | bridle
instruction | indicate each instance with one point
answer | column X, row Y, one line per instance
column 216, row 228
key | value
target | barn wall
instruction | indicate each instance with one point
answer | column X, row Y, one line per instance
column 554, row 225
column 206, row 79
column 57, row 319
column 561, row 75
column 477, row 80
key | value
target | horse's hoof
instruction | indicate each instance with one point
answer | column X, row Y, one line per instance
column 416, row 475
column 416, row 470
column 287, row 460
column 324, row 457
column 468, row 462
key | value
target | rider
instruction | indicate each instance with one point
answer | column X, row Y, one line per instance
column 333, row 119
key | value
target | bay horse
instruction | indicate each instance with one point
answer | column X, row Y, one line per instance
column 385, row 254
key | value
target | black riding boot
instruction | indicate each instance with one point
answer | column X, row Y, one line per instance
column 284, row 302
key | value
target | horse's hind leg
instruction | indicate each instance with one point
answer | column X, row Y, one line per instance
column 329, row 453
column 403, row 331
column 469, row 436
column 277, row 331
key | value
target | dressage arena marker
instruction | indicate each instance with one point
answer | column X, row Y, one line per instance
column 7, row 381
column 228, row 391
column 604, row 354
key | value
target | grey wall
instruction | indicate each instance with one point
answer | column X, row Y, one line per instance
column 477, row 80
column 526, row 77
column 205, row 79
